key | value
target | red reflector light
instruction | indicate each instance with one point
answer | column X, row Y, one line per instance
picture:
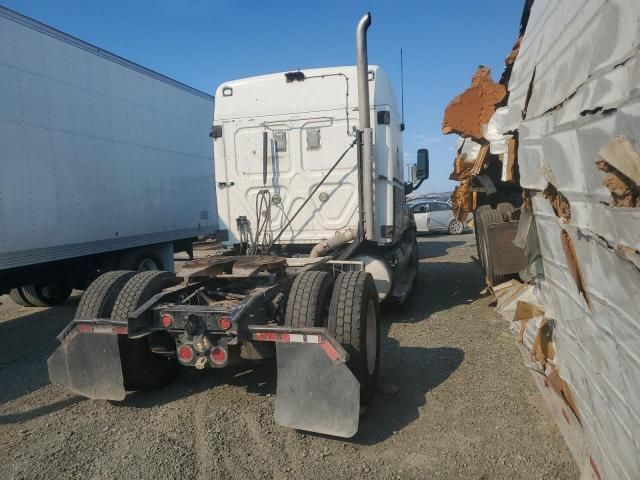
column 218, row 355
column 166, row 320
column 266, row 337
column 185, row 353
column 85, row 328
column 225, row 323
column 331, row 352
column 121, row 330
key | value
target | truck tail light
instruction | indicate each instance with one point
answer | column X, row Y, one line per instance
column 218, row 356
column 224, row 323
column 185, row 353
column 166, row 320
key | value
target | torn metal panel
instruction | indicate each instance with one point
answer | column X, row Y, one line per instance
column 573, row 100
column 559, row 400
column 595, row 342
column 569, row 43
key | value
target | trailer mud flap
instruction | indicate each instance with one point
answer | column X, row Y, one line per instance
column 316, row 390
column 505, row 256
column 87, row 362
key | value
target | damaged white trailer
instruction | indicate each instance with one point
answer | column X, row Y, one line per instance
column 573, row 106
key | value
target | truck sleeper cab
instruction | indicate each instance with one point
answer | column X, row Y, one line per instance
column 309, row 118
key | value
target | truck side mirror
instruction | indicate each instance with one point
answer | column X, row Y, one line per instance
column 422, row 164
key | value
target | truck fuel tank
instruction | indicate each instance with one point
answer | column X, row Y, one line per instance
column 380, row 270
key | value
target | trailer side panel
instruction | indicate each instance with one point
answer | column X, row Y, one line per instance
column 98, row 154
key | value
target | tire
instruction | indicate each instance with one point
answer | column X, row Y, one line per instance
column 456, row 227
column 48, row 294
column 506, row 210
column 98, row 299
column 18, row 297
column 309, row 300
column 414, row 259
column 354, row 321
column 140, row 260
column 484, row 216
column 141, row 369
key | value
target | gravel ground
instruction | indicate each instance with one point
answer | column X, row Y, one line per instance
column 466, row 406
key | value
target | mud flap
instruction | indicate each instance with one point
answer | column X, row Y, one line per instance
column 316, row 390
column 88, row 362
column 505, row 256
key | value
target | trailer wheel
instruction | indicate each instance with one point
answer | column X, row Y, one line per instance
column 98, row 299
column 142, row 369
column 18, row 297
column 309, row 300
column 483, row 217
column 140, row 260
column 354, row 322
column 48, row 294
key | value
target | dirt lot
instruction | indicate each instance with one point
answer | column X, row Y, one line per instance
column 466, row 406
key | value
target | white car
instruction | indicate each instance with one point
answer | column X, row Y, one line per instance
column 436, row 216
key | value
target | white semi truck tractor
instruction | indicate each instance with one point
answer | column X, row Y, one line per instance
column 311, row 197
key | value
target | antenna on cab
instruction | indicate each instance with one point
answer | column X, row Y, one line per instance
column 401, row 91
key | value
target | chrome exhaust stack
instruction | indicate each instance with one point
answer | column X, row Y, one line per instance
column 365, row 125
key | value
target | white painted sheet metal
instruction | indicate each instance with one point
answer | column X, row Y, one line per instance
column 580, row 62
column 97, row 153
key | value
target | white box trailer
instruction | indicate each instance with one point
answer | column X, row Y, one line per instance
column 99, row 156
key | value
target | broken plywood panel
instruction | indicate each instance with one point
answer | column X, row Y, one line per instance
column 466, row 114
column 621, row 162
column 622, row 155
column 559, row 203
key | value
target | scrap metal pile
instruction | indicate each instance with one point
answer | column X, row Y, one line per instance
column 562, row 130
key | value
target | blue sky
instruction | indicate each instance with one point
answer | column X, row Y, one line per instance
column 206, row 42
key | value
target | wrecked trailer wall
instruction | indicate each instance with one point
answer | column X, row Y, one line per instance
column 574, row 97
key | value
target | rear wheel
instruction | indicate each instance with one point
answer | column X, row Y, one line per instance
column 141, row 368
column 354, row 322
column 18, row 297
column 309, row 300
column 48, row 294
column 98, row 299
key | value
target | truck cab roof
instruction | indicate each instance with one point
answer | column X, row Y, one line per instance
column 299, row 91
